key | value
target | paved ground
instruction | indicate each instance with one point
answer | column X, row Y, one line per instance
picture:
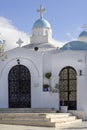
column 82, row 126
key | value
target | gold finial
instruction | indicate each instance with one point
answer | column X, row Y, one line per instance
column 41, row 10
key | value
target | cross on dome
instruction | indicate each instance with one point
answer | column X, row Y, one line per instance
column 41, row 10
column 84, row 27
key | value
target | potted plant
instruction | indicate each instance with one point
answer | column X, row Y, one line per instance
column 45, row 87
column 48, row 77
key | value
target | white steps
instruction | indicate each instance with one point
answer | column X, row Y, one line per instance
column 62, row 120
column 68, row 124
column 59, row 120
column 29, row 123
column 26, row 110
column 57, row 115
column 77, row 113
column 32, row 119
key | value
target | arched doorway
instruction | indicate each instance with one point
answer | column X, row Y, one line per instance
column 19, row 87
column 68, row 90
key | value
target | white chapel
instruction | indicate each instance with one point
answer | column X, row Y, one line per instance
column 42, row 75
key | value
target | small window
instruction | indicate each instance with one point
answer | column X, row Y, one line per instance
column 36, row 48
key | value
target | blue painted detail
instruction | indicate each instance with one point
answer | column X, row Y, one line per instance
column 75, row 45
column 83, row 34
column 41, row 23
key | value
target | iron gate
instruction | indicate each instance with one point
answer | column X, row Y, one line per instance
column 68, row 89
column 19, row 84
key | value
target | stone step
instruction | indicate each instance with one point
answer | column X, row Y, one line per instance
column 20, row 115
column 68, row 124
column 33, row 119
column 29, row 119
column 36, row 115
column 27, row 110
column 37, row 119
column 78, row 113
column 59, row 120
column 27, row 122
column 58, row 115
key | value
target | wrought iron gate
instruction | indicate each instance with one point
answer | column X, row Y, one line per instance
column 19, row 87
column 68, row 90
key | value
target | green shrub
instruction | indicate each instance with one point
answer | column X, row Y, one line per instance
column 48, row 75
column 45, row 85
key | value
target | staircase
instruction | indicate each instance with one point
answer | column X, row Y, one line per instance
column 63, row 120
column 27, row 110
column 37, row 117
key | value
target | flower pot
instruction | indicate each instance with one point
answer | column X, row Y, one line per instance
column 63, row 108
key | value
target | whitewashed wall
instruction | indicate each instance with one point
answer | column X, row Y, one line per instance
column 75, row 59
column 34, row 62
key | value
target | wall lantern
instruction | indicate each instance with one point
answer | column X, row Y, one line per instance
column 18, row 61
column 80, row 72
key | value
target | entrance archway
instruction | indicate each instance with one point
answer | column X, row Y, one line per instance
column 68, row 90
column 19, row 87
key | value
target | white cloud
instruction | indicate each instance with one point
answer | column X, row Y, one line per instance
column 58, row 43
column 11, row 34
column 69, row 36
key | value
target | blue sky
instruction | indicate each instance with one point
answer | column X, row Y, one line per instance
column 65, row 16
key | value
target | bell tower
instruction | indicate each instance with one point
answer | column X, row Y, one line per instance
column 41, row 31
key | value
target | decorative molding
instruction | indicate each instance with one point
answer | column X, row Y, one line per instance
column 15, row 59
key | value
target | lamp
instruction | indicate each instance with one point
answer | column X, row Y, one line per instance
column 80, row 72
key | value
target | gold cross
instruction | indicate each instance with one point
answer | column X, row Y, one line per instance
column 84, row 27
column 41, row 10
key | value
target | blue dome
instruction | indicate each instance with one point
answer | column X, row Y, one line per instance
column 75, row 45
column 83, row 34
column 41, row 23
